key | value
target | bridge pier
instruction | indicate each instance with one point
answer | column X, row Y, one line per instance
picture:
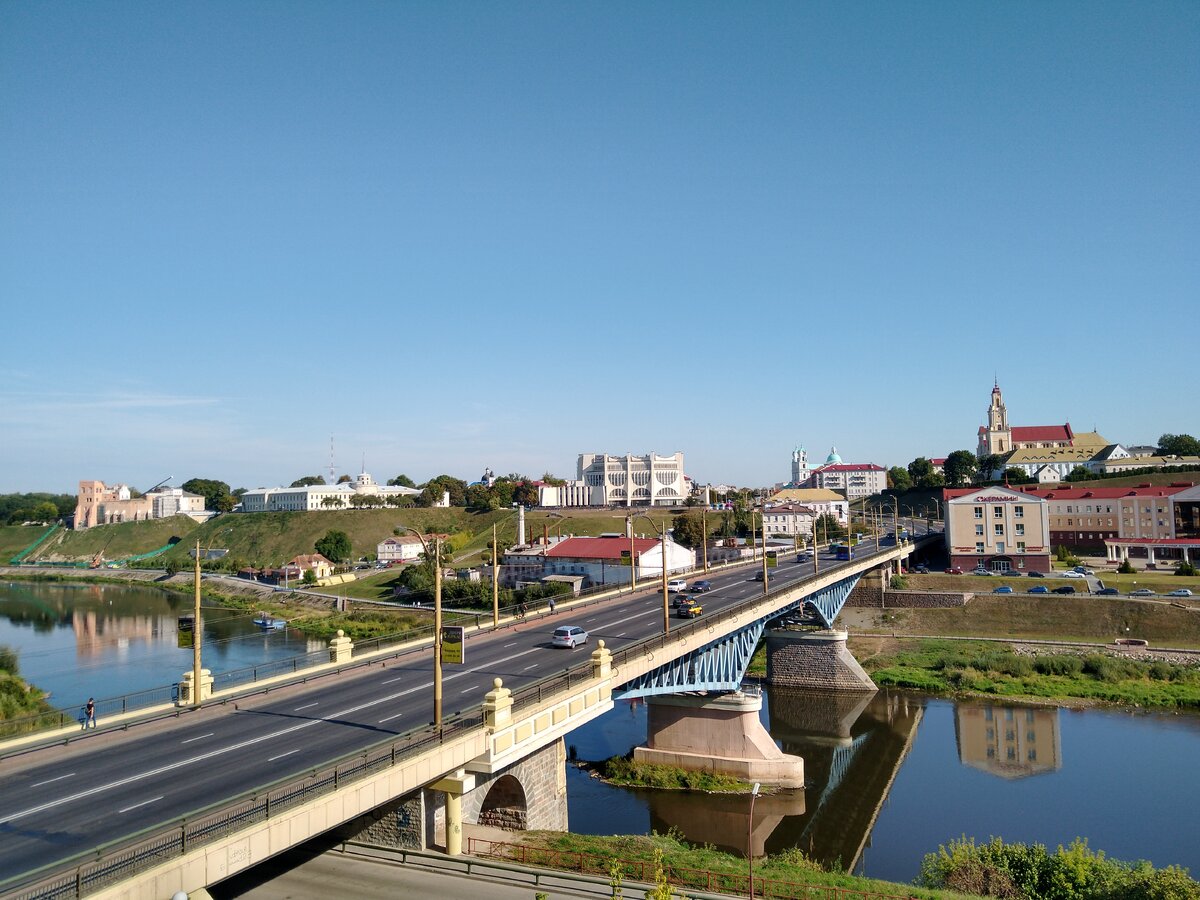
column 716, row 734
column 814, row 659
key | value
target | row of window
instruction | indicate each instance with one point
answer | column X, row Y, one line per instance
column 998, row 512
column 979, row 548
column 999, row 529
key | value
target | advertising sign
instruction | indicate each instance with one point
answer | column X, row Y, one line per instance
column 453, row 638
column 772, row 558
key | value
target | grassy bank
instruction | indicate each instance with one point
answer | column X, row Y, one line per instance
column 962, row 667
column 682, row 863
column 626, row 772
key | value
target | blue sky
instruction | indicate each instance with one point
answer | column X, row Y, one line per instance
column 457, row 235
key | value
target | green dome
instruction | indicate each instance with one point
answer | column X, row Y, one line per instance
column 832, row 457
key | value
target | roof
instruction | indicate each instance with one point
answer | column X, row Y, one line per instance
column 937, row 460
column 790, row 507
column 600, row 548
column 1042, row 433
column 851, row 467
column 309, row 559
column 807, row 495
column 1051, row 454
column 1103, row 493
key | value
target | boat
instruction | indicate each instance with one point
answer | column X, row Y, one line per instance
column 269, row 623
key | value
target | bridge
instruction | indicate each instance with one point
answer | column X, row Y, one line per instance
column 184, row 802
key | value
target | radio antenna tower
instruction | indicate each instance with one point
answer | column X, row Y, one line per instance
column 332, row 470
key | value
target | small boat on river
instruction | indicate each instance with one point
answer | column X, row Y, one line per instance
column 269, row 623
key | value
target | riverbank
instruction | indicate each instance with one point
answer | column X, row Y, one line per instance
column 18, row 698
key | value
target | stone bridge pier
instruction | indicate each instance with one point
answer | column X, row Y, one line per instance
column 531, row 794
column 814, row 659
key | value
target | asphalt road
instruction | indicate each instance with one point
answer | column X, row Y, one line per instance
column 62, row 801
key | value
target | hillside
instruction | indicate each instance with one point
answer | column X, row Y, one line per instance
column 269, row 539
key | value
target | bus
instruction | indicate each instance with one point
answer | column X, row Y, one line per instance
column 845, row 551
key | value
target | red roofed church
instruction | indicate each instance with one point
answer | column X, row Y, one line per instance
column 997, row 437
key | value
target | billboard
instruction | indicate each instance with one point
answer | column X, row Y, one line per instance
column 453, row 638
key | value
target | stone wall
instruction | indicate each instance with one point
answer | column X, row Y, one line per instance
column 537, row 800
column 403, row 823
column 875, row 598
column 814, row 660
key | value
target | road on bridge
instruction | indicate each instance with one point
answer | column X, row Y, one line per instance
column 62, row 801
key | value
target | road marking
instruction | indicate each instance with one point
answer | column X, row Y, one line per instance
column 622, row 634
column 282, row 755
column 473, row 687
column 306, row 706
column 136, row 805
column 199, row 737
column 513, row 644
column 393, row 680
column 527, row 668
column 52, row 780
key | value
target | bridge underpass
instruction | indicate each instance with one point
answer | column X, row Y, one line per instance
column 207, row 845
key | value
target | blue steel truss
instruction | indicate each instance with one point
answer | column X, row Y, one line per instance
column 721, row 664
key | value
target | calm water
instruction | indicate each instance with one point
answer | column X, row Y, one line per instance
column 77, row 640
column 890, row 777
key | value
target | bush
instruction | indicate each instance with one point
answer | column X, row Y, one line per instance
column 1186, row 568
column 1126, row 567
column 898, row 583
column 1058, row 665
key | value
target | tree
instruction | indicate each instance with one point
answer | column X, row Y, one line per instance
column 898, row 479
column 310, row 576
column 1013, row 475
column 1178, row 445
column 827, row 527
column 688, row 530
column 308, row 481
column 455, row 486
column 215, row 493
column 1079, row 473
column 344, row 479
column 553, row 480
column 986, row 467
column 45, row 512
column 526, row 493
column 332, row 502
column 959, row 468
column 920, row 468
column 401, row 481
column 335, row 546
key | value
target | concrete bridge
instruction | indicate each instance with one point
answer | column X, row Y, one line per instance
column 183, row 803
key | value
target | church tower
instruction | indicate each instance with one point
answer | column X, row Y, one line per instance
column 997, row 437
column 800, row 472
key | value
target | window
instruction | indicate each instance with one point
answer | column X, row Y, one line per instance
column 979, row 530
column 1068, row 509
column 979, row 512
column 999, row 529
column 1020, row 546
column 1020, row 528
column 979, row 546
column 997, row 512
column 1018, row 512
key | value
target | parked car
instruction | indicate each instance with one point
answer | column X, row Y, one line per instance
column 978, row 571
column 1108, row 592
column 1181, row 592
column 954, row 570
column 1038, row 589
column 677, row 584
column 691, row 610
column 922, row 569
column 569, row 636
column 1142, row 592
column 1065, row 589
column 1084, row 570
column 1036, row 574
column 1071, row 574
column 701, row 586
column 1003, row 589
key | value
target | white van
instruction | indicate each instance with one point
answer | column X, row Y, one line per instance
column 677, row 584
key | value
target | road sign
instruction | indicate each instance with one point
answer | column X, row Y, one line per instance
column 453, row 637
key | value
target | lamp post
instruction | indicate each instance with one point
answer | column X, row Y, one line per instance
column 704, row 536
column 763, row 522
column 750, row 839
column 437, row 620
column 662, row 534
column 197, row 632
column 496, row 568
column 632, row 554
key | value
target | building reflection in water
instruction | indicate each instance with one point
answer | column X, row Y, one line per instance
column 1008, row 742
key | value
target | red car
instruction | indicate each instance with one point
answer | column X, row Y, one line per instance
column 954, row 570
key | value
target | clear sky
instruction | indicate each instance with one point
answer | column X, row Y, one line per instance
column 458, row 235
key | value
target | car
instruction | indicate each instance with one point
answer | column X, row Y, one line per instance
column 569, row 636
column 801, row 557
column 986, row 572
column 1108, row 592
column 1180, row 592
column 954, row 570
column 677, row 584
column 922, row 569
column 1038, row 589
column 1035, row 574
column 758, row 576
column 1071, row 574
column 1003, row 589
column 701, row 586
column 1142, row 592
column 1084, row 570
column 691, row 610
column 1065, row 589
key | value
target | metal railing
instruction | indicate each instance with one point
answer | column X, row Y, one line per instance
column 708, row 880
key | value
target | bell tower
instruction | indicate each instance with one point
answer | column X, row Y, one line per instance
column 998, row 438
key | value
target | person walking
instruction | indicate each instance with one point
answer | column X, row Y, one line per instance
column 551, row 604
column 521, row 610
column 89, row 712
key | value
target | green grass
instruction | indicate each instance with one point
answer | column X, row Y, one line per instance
column 603, row 851
column 987, row 668
column 114, row 541
column 629, row 773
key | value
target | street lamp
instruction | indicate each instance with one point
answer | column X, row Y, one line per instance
column 750, row 839
column 763, row 522
column 662, row 534
column 437, row 619
column 496, row 567
column 704, row 535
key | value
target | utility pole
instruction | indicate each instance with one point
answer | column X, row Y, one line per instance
column 197, row 635
column 437, row 631
column 704, row 536
column 495, row 577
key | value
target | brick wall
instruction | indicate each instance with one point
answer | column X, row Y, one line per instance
column 875, row 598
column 814, row 662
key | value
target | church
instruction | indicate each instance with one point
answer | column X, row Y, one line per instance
column 997, row 437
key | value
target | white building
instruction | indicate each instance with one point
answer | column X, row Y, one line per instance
column 820, row 500
column 604, row 560
column 649, row 480
column 405, row 548
column 789, row 520
column 572, row 493
column 320, row 496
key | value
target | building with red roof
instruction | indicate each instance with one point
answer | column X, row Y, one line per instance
column 996, row 437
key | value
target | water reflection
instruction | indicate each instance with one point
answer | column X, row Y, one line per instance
column 1006, row 741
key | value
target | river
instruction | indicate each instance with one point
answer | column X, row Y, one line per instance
column 888, row 776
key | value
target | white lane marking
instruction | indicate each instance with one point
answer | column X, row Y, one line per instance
column 231, row 748
column 198, row 737
column 136, row 805
column 306, row 706
column 527, row 668
column 622, row 634
column 513, row 644
column 473, row 687
column 282, row 755
column 392, row 680
column 52, row 780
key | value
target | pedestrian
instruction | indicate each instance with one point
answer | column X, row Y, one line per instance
column 551, row 606
column 90, row 714
column 521, row 610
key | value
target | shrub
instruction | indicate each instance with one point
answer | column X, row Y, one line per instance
column 1186, row 568
column 1126, row 567
column 1058, row 665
